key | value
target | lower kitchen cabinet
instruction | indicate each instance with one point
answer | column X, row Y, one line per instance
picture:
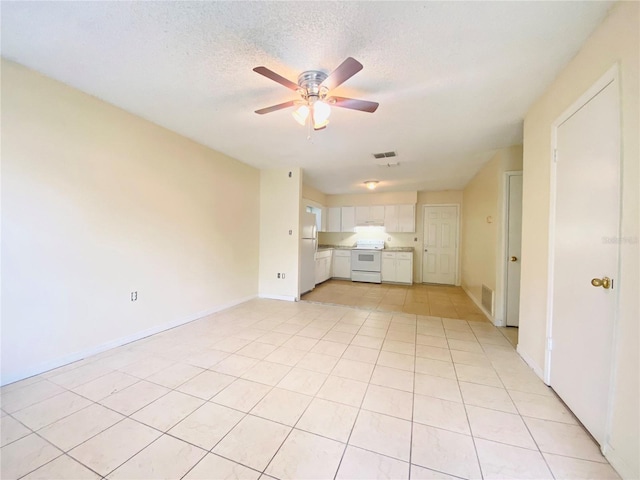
column 397, row 267
column 342, row 264
column 323, row 266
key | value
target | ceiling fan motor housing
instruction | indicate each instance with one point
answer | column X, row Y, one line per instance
column 310, row 88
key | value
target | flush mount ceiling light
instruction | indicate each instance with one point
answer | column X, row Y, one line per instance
column 314, row 86
column 371, row 184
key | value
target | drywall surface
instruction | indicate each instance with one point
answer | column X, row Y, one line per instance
column 280, row 197
column 98, row 203
column 615, row 41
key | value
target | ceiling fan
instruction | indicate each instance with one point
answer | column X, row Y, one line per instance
column 313, row 87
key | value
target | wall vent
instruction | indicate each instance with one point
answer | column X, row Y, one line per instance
column 384, row 155
column 487, row 299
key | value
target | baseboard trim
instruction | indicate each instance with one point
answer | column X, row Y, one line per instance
column 618, row 463
column 287, row 298
column 529, row 361
column 479, row 305
column 82, row 354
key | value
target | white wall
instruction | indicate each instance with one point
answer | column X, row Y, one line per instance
column 98, row 203
column 483, row 224
column 616, row 40
column 280, row 199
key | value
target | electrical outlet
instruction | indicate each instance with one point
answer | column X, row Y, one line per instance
column 134, row 296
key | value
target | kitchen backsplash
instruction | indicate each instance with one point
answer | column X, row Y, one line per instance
column 349, row 239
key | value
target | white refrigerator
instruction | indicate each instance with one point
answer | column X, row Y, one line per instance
column 308, row 247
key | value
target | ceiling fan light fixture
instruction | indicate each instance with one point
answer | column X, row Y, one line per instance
column 300, row 114
column 371, row 184
column 321, row 113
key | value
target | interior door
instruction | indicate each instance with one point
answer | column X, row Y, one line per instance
column 439, row 259
column 514, row 242
column 587, row 213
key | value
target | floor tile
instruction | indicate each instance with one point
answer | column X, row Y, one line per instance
column 318, row 362
column 396, row 403
column 500, row 427
column 435, row 353
column 274, row 338
column 252, row 442
column 257, row 350
column 25, row 455
column 438, row 387
column 25, row 396
column 268, row 373
column 541, row 406
column 213, row 467
column 80, row 375
column 167, row 457
column 286, row 356
column 283, row 406
column 11, row 430
column 207, row 425
column 206, row 384
column 106, row 385
column 329, row 419
column 326, row 347
column 444, row 451
column 242, row 395
column 566, row 468
column 358, row 464
column 298, row 342
column 353, row 369
column 339, row 337
column 482, row 375
column 440, row 413
column 135, row 397
column 107, row 450
column 167, row 411
column 147, row 366
column 499, row 461
column 471, row 346
column 62, row 468
column 306, row 456
column 487, row 397
column 207, row 358
column 303, row 381
column 396, row 360
column 80, row 426
column 50, row 410
column 361, row 354
column 421, row 473
column 564, row 439
column 343, row 390
column 382, row 434
column 392, row 378
column 471, row 358
column 231, row 344
column 235, row 365
column 436, row 368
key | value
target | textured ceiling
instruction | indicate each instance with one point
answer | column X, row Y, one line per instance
column 453, row 79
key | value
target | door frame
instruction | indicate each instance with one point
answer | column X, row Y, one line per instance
column 611, row 75
column 501, row 316
column 456, row 277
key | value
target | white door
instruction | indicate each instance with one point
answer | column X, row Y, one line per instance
column 514, row 242
column 439, row 260
column 587, row 214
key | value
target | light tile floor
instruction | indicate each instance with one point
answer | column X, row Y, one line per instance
column 284, row 390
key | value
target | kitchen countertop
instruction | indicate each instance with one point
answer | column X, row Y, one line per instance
column 344, row 247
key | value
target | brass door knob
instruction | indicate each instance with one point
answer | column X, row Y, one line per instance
column 514, row 259
column 604, row 282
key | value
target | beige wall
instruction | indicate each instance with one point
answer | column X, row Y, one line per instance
column 280, row 197
column 615, row 41
column 482, row 224
column 97, row 203
column 313, row 194
column 372, row 198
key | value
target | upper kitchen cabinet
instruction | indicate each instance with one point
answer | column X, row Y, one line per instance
column 400, row 218
column 334, row 219
column 370, row 215
column 348, row 220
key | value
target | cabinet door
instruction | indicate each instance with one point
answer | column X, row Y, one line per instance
column 319, row 270
column 348, row 219
column 341, row 267
column 404, row 270
column 406, row 218
column 376, row 214
column 362, row 215
column 327, row 269
column 388, row 268
column 391, row 218
column 334, row 216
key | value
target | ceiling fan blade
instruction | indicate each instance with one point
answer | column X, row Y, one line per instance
column 354, row 104
column 273, row 108
column 344, row 72
column 276, row 78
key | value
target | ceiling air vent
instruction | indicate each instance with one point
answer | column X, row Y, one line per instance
column 384, row 155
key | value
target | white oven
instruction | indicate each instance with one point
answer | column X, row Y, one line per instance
column 366, row 261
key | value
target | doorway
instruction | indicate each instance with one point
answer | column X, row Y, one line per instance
column 513, row 243
column 440, row 250
column 585, row 213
